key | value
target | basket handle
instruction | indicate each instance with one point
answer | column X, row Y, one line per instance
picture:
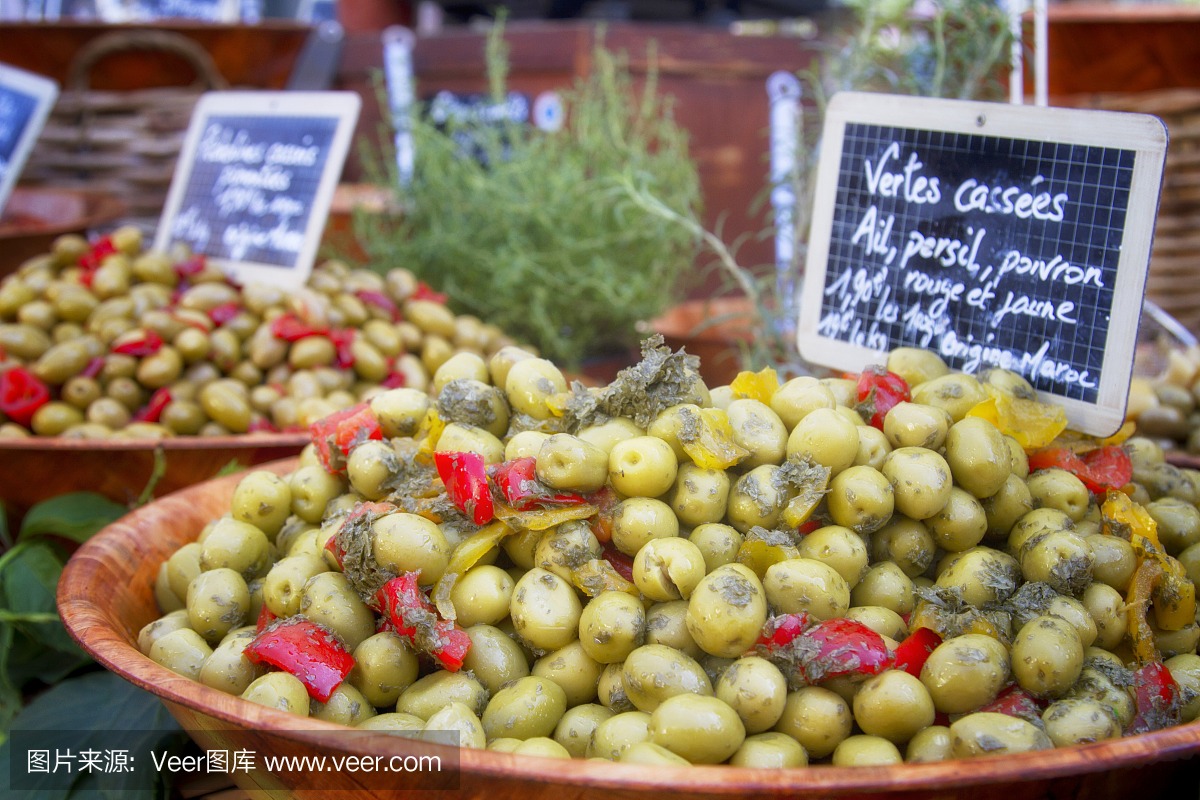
column 207, row 74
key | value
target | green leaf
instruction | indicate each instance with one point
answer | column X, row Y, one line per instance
column 10, row 697
column 99, row 711
column 30, row 661
column 28, row 579
column 75, row 516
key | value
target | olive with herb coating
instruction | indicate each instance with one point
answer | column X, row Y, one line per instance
column 182, row 651
column 654, row 672
column 545, row 610
column 618, row 733
column 806, row 585
column 756, row 690
column 279, row 690
column 526, row 708
column 611, row 626
column 860, row 498
column 577, row 673
column 218, row 601
column 993, row 733
column 577, row 725
column 816, row 717
column 727, row 610
column 642, row 466
column 965, row 672
column 668, row 569
column 865, row 750
column 827, row 437
column 384, row 666
column 494, row 658
column 262, row 499
column 482, row 594
column 328, row 599
column 700, row 496
column 227, row 668
column 921, row 480
column 893, row 705
column 405, row 542
column 430, row 692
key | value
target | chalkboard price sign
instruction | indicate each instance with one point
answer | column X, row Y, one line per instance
column 994, row 235
column 255, row 179
column 25, row 102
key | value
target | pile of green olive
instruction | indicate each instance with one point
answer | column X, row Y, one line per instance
column 145, row 344
column 932, row 519
column 1165, row 401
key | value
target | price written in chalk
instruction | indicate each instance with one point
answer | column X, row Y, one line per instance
column 254, row 188
column 990, row 248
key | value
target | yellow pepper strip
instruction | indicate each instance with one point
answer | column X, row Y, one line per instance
column 541, row 519
column 760, row 386
column 428, row 433
column 1159, row 582
column 465, row 555
column 597, row 575
column 711, row 443
column 759, row 555
column 1032, row 423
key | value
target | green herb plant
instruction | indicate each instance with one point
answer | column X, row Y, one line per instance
column 535, row 231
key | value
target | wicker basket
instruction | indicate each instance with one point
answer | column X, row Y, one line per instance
column 1174, row 279
column 122, row 143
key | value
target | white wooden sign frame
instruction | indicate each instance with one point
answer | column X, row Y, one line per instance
column 1144, row 134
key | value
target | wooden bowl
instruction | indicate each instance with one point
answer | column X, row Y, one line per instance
column 34, row 217
column 38, row 468
column 106, row 596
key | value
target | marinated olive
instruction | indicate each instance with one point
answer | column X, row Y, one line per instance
column 527, row 707
column 654, row 672
column 699, row 728
column 727, row 610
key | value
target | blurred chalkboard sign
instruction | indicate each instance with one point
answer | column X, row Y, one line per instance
column 25, row 102
column 476, row 122
column 146, row 10
column 994, row 235
column 255, row 179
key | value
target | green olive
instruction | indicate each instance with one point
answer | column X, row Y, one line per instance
column 756, row 690
column 1077, row 720
column 312, row 490
column 978, row 456
column 885, row 585
column 759, row 430
column 482, row 595
column 756, row 499
column 1062, row 559
column 916, row 365
column 570, row 464
column 182, row 651
column 798, row 396
column 861, row 498
column 654, row 672
column 642, row 466
column 618, row 733
column 666, row 624
column 493, row 657
column 262, row 499
column 611, row 626
column 1002, row 509
column 864, row 750
column 345, row 706
column 283, row 585
column 384, row 666
column 182, row 566
column 226, row 404
column 965, row 672
column 545, row 610
column 424, row 697
column 328, row 599
column 982, row 576
column 530, row 383
column 700, row 728
column 650, row 754
column 638, row 520
column 279, row 690
column 576, row 672
column 1058, row 488
column 893, row 705
column 873, row 447
column 526, row 708
column 406, row 542
column 817, row 718
column 1178, row 523
column 914, row 425
column 218, row 601
column 906, row 543
column 700, row 496
column 668, row 569
column 929, row 745
column 960, row 524
column 827, row 437
column 227, row 668
column 170, row 621
column 840, row 548
column 577, row 725
column 806, row 585
column 727, row 610
column 608, row 433
column 956, row 392
column 992, row 733
column 770, row 750
column 238, row 545
column 921, row 480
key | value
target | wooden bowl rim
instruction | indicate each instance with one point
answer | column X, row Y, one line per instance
column 84, row 616
column 98, row 208
column 249, row 441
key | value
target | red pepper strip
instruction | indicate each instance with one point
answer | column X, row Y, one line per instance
column 465, row 478
column 94, row 257
column 606, row 502
column 621, row 562
column 192, row 265
column 262, row 425
column 425, row 292
column 152, row 411
column 520, row 488
column 1016, row 702
column 93, row 368
column 224, row 312
column 879, row 391
column 912, row 653
column 340, row 432
column 409, row 613
column 840, row 646
column 146, row 342
column 311, row 652
column 379, row 300
column 780, row 631
column 21, row 394
column 1157, row 699
column 1101, row 469
column 342, row 339
column 290, row 328
column 394, row 380
column 265, row 618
